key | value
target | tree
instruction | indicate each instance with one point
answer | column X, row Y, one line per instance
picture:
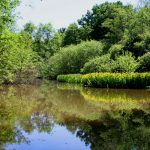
column 118, row 23
column 136, row 38
column 17, row 58
column 71, row 35
column 7, row 16
column 57, row 42
column 42, row 41
column 30, row 28
column 94, row 19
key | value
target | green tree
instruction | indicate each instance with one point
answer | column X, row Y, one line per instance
column 17, row 58
column 117, row 24
column 136, row 38
column 115, row 51
column 100, row 13
column 7, row 14
column 71, row 35
column 75, row 34
column 42, row 42
column 30, row 28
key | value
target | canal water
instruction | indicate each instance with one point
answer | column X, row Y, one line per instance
column 55, row 116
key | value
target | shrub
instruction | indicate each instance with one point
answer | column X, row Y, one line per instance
column 71, row 59
column 98, row 64
column 115, row 51
column 125, row 63
column 144, row 62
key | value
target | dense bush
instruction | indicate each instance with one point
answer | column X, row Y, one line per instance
column 125, row 63
column 98, row 64
column 71, row 59
column 116, row 80
column 144, row 62
column 116, row 50
column 122, row 63
column 17, row 58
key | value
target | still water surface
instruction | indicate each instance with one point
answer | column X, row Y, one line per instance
column 54, row 116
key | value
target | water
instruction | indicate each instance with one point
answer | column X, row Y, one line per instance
column 56, row 116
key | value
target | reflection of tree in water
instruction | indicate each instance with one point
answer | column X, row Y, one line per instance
column 21, row 112
column 120, row 131
column 25, row 109
column 11, row 134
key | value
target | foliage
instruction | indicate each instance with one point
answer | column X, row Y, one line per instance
column 144, row 63
column 72, row 58
column 101, row 18
column 115, row 51
column 125, row 63
column 71, row 35
column 42, row 44
column 17, row 58
column 136, row 38
column 118, row 23
column 74, row 34
column 30, row 28
column 122, row 34
column 7, row 15
column 98, row 64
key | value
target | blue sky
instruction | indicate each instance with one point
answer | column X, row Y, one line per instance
column 59, row 12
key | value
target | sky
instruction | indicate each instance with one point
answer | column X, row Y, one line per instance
column 60, row 13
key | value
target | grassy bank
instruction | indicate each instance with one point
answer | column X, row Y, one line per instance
column 109, row 80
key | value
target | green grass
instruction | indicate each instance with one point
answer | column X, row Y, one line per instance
column 109, row 80
column 71, row 78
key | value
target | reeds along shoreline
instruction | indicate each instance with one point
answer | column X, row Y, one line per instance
column 109, row 80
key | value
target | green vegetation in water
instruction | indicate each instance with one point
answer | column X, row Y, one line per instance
column 71, row 78
column 109, row 80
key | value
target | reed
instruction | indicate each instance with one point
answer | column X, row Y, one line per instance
column 117, row 80
column 109, row 80
column 70, row 78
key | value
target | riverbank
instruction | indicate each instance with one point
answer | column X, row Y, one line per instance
column 109, row 80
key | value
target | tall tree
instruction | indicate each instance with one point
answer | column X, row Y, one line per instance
column 30, row 28
column 100, row 13
column 7, row 13
column 43, row 37
column 72, row 35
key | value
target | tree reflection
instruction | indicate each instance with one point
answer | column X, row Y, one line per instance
column 121, row 131
column 24, row 109
column 20, row 112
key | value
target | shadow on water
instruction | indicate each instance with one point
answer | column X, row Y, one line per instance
column 98, row 118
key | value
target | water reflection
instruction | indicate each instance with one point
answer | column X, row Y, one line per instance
column 65, row 116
